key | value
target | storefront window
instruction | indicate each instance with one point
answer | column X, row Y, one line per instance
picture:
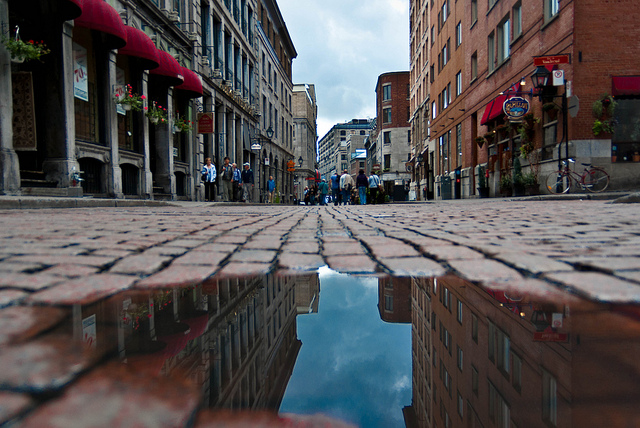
column 625, row 139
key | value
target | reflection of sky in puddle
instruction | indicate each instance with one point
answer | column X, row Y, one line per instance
column 352, row 365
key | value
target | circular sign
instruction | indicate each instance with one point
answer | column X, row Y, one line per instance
column 515, row 107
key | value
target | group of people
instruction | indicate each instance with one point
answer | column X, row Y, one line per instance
column 343, row 187
column 237, row 186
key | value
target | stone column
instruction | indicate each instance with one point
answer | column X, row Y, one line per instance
column 114, row 180
column 60, row 126
column 146, row 176
column 164, row 151
column 9, row 164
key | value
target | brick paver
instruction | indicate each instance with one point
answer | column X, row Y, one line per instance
column 86, row 255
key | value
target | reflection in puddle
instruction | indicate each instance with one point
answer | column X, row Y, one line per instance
column 379, row 351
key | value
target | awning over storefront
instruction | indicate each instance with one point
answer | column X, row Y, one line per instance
column 98, row 15
column 625, row 85
column 71, row 9
column 494, row 108
column 141, row 46
column 169, row 72
column 192, row 86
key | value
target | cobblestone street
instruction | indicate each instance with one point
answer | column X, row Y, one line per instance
column 66, row 256
column 55, row 262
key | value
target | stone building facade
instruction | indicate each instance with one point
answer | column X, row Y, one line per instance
column 221, row 69
column 333, row 155
column 305, row 135
column 478, row 52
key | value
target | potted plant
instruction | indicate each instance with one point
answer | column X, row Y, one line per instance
column 530, row 182
column 483, row 189
column 21, row 51
column 479, row 141
column 182, row 124
column 603, row 110
column 156, row 113
column 489, row 136
column 506, row 185
column 130, row 100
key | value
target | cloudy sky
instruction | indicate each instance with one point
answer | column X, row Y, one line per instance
column 352, row 365
column 343, row 46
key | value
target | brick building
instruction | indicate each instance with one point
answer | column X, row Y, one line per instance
column 227, row 60
column 305, row 134
column 393, row 132
column 478, row 51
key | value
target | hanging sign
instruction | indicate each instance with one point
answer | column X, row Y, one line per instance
column 80, row 73
column 515, row 108
column 205, row 123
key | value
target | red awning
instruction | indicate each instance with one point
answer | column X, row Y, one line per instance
column 141, row 46
column 494, row 108
column 71, row 9
column 192, row 85
column 625, row 85
column 98, row 15
column 169, row 72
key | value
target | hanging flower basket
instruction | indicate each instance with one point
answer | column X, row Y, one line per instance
column 24, row 51
column 479, row 141
column 181, row 124
column 156, row 113
column 130, row 100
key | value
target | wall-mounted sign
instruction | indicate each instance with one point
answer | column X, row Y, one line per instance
column 205, row 123
column 552, row 60
column 266, row 161
column 515, row 108
column 256, row 146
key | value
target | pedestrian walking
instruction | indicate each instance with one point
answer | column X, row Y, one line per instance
column 335, row 188
column 362, row 184
column 323, row 189
column 247, row 183
column 226, row 171
column 236, row 182
column 374, row 185
column 346, row 185
column 271, row 187
column 209, row 178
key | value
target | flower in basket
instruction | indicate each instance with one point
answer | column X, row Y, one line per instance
column 130, row 100
column 156, row 113
column 182, row 124
column 20, row 50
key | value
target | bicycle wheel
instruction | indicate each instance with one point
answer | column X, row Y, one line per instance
column 558, row 182
column 596, row 180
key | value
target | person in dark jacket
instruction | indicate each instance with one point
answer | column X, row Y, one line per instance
column 362, row 183
column 247, row 183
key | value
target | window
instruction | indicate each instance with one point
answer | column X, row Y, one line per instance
column 516, row 17
column 499, row 411
column 460, row 405
column 459, row 153
column 459, row 308
column 549, row 134
column 460, row 358
column 445, row 98
column 458, row 34
column 386, row 92
column 549, row 398
column 388, row 303
column 387, row 161
column 474, row 66
column 491, row 339
column 433, row 34
column 434, row 110
column 445, row 12
column 386, row 137
column 516, row 371
column 551, row 9
column 491, row 52
column 474, row 328
column 474, row 12
column 504, row 41
column 474, row 380
column 386, row 115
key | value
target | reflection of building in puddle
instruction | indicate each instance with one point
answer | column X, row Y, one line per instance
column 504, row 358
column 394, row 299
column 307, row 294
column 236, row 338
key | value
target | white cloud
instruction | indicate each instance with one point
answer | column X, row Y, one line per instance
column 343, row 46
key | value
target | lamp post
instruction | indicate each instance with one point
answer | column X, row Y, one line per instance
column 540, row 79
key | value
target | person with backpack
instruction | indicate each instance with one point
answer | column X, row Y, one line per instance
column 335, row 188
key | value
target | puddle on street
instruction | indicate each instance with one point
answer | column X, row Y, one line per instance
column 381, row 351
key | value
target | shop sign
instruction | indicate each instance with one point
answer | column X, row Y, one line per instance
column 515, row 108
column 89, row 334
column 550, row 337
column 205, row 123
column 551, row 60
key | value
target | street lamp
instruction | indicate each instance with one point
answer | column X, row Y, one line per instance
column 270, row 133
column 300, row 161
column 540, row 77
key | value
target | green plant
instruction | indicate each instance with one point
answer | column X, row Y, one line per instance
column 130, row 99
column 482, row 179
column 20, row 50
column 529, row 179
column 479, row 141
column 549, row 106
column 156, row 113
column 505, row 182
column 600, row 126
column 603, row 110
column 517, row 172
column 182, row 124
